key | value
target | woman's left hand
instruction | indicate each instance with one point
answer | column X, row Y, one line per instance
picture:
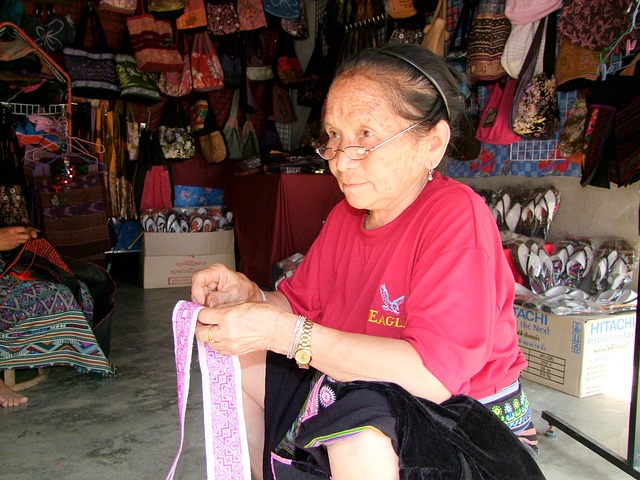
column 244, row 328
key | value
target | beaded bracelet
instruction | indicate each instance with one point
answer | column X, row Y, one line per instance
column 296, row 336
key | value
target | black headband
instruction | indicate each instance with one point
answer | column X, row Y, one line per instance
column 435, row 84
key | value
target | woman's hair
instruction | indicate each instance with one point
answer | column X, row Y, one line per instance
column 421, row 86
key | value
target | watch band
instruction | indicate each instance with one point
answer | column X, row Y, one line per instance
column 303, row 352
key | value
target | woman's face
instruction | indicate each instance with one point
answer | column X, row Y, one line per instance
column 391, row 177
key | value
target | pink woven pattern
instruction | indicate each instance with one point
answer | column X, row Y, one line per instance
column 224, row 428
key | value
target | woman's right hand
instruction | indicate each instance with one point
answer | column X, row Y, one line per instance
column 218, row 285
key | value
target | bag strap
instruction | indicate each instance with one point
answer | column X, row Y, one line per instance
column 441, row 11
column 549, row 60
column 532, row 55
column 89, row 16
column 234, row 104
column 461, row 30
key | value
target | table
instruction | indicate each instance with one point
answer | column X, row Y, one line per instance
column 277, row 215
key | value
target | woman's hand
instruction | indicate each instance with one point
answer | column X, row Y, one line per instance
column 218, row 285
column 11, row 237
column 245, row 328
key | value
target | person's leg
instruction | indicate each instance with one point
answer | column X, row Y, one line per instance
column 9, row 398
column 253, row 367
column 369, row 455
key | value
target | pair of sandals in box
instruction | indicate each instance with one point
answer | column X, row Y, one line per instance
column 563, row 277
column 527, row 214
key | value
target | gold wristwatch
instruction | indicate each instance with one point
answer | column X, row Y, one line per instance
column 303, row 352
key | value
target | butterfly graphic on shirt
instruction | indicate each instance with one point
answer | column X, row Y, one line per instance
column 389, row 305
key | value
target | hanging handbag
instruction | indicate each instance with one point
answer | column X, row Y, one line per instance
column 488, row 35
column 174, row 133
column 251, row 15
column 132, row 134
column 13, row 205
column 298, row 28
column 52, row 34
column 92, row 69
column 287, row 67
column 281, row 106
column 249, row 139
column 459, row 42
column 535, row 113
column 178, row 83
column 230, row 54
column 152, row 43
column 316, row 80
column 258, row 69
column 436, row 33
column 136, row 85
column 194, row 16
column 399, row 8
column 406, row 36
column 283, row 8
column 125, row 7
column 572, row 134
column 222, row 18
column 121, row 199
column 231, row 131
column 626, row 164
column 576, row 66
column 152, row 178
column 594, row 25
column 206, row 71
column 515, row 50
column 169, row 9
column 207, row 132
column 493, row 127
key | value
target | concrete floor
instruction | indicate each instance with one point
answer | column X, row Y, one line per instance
column 81, row 427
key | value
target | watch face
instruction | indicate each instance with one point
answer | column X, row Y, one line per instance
column 303, row 356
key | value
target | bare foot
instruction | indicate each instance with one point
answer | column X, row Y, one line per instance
column 9, row 398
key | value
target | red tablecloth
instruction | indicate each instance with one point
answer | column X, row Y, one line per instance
column 276, row 216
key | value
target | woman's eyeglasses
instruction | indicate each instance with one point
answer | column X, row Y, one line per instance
column 355, row 152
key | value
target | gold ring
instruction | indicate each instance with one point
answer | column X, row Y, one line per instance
column 211, row 340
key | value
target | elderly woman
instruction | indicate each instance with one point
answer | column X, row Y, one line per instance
column 392, row 352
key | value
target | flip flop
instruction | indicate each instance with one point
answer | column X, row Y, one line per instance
column 513, row 216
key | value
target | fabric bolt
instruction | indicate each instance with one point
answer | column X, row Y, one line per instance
column 225, row 432
column 389, row 297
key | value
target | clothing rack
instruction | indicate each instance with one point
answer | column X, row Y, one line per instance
column 364, row 23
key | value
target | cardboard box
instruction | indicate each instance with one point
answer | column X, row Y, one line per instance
column 578, row 355
column 171, row 259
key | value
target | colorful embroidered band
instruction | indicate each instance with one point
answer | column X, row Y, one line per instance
column 225, row 435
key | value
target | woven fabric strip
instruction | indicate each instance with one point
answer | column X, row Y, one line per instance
column 224, row 428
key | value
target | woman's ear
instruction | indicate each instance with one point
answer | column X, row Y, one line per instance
column 435, row 144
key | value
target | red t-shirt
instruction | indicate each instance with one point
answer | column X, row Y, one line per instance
column 436, row 277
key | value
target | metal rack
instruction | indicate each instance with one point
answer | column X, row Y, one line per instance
column 630, row 464
column 56, row 70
